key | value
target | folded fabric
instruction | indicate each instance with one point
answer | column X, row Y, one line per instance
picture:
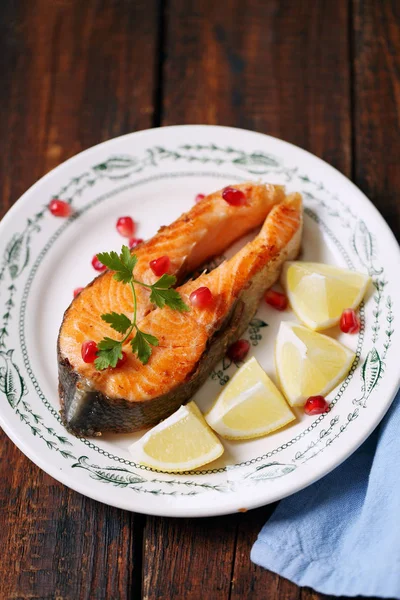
column 341, row 536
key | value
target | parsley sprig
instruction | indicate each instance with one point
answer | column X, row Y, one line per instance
column 161, row 294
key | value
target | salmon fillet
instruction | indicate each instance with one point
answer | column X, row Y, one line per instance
column 190, row 343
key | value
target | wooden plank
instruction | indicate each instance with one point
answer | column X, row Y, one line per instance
column 250, row 579
column 377, row 105
column 188, row 558
column 72, row 76
column 277, row 67
column 280, row 68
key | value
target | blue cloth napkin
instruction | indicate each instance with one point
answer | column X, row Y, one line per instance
column 341, row 536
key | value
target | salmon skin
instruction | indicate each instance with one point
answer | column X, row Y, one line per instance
column 134, row 395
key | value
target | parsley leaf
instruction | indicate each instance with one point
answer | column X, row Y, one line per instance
column 162, row 294
column 108, row 354
column 109, row 259
column 168, row 297
column 141, row 344
column 166, row 281
column 107, row 344
column 123, row 264
column 128, row 260
column 119, row 322
column 150, row 338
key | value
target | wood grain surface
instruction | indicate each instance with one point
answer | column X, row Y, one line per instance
column 323, row 75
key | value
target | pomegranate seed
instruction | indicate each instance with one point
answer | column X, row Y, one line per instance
column 133, row 242
column 238, row 351
column 160, row 266
column 349, row 321
column 276, row 299
column 59, row 208
column 126, row 226
column 122, row 360
column 89, row 351
column 316, row 405
column 199, row 198
column 97, row 265
column 201, row 298
column 233, row 196
column 77, row 291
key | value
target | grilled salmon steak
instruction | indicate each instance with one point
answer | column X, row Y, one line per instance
column 134, row 395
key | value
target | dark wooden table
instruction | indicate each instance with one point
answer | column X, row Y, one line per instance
column 319, row 73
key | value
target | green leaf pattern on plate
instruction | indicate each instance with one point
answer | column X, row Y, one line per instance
column 125, row 478
column 370, row 374
column 270, row 471
column 364, row 247
column 11, row 382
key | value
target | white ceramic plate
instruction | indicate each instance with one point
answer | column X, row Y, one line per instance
column 154, row 176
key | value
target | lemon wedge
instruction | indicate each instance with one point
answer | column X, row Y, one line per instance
column 182, row 442
column 250, row 405
column 319, row 293
column 309, row 363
